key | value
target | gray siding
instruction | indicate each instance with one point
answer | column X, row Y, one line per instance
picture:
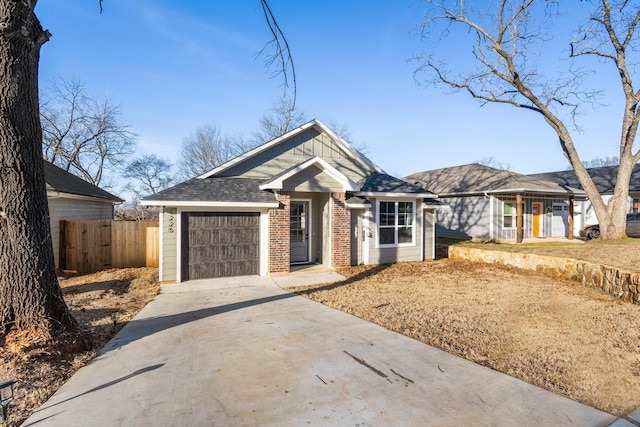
column 379, row 255
column 296, row 150
column 465, row 217
column 481, row 217
column 63, row 209
column 428, row 234
column 357, row 236
column 169, row 244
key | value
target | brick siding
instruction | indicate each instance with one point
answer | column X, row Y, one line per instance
column 340, row 231
column 279, row 232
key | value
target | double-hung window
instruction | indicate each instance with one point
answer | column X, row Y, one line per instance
column 509, row 215
column 396, row 223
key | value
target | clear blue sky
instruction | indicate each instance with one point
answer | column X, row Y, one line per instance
column 176, row 65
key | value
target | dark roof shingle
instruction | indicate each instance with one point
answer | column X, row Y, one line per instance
column 58, row 179
column 477, row 179
column 215, row 189
column 604, row 178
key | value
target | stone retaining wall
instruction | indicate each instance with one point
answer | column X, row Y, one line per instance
column 619, row 283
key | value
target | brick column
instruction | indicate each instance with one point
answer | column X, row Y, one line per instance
column 340, row 231
column 279, row 234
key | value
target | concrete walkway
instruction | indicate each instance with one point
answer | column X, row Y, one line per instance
column 243, row 352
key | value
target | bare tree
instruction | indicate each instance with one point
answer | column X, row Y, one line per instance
column 494, row 163
column 30, row 296
column 598, row 162
column 508, row 41
column 83, row 135
column 280, row 119
column 147, row 175
column 206, row 149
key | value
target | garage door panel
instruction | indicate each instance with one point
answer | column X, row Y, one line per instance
column 221, row 245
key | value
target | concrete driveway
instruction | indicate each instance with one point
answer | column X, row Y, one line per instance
column 243, row 352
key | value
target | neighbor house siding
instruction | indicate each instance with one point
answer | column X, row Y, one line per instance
column 310, row 143
column 169, row 245
column 465, row 217
column 64, row 209
column 385, row 255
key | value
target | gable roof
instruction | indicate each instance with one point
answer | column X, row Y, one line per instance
column 381, row 184
column 353, row 153
column 59, row 180
column 604, row 178
column 277, row 182
column 214, row 192
column 479, row 179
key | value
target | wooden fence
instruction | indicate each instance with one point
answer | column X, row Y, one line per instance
column 89, row 246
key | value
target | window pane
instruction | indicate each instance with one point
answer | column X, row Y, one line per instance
column 405, row 235
column 508, row 209
column 386, row 236
column 387, row 213
column 508, row 221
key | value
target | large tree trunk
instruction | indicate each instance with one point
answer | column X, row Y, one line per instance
column 30, row 296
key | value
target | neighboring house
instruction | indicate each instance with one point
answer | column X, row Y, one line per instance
column 73, row 199
column 305, row 197
column 483, row 203
column 605, row 179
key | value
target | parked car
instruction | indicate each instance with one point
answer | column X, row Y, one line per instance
column 633, row 228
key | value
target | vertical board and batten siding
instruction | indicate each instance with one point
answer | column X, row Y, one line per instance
column 546, row 217
column 310, row 143
column 387, row 255
column 90, row 246
column 64, row 209
column 220, row 244
column 169, row 245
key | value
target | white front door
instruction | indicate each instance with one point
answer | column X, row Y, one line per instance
column 299, row 232
column 560, row 220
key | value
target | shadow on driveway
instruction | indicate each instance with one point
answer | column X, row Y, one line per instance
column 140, row 328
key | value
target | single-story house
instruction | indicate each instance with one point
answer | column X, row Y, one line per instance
column 605, row 179
column 71, row 198
column 498, row 205
column 305, row 197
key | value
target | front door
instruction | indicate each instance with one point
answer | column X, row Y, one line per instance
column 299, row 232
column 536, row 209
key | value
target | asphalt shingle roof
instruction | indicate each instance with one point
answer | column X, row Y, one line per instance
column 477, row 179
column 603, row 177
column 383, row 183
column 216, row 189
column 58, row 179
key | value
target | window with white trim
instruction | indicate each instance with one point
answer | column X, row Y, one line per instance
column 396, row 223
column 509, row 215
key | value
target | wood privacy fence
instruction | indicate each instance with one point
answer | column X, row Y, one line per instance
column 89, row 246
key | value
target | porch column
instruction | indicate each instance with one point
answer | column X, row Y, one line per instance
column 519, row 231
column 279, row 234
column 340, row 231
column 570, row 232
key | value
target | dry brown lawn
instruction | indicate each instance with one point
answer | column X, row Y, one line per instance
column 558, row 334
column 102, row 303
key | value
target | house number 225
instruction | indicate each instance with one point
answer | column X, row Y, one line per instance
column 171, row 223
